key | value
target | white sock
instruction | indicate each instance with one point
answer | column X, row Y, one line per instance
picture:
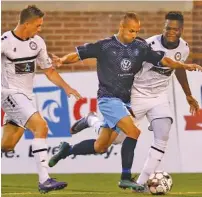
column 92, row 120
column 97, row 127
column 154, row 157
column 39, row 149
column 95, row 122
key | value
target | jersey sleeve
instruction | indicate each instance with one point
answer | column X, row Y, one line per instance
column 43, row 59
column 152, row 56
column 186, row 53
column 149, row 40
column 3, row 44
column 89, row 50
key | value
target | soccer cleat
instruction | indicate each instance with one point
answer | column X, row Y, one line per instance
column 81, row 124
column 50, row 185
column 62, row 154
column 145, row 190
column 130, row 184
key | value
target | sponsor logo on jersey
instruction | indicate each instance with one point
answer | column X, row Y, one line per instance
column 162, row 71
column 178, row 56
column 126, row 64
column 33, row 45
column 194, row 123
column 24, row 68
column 136, row 52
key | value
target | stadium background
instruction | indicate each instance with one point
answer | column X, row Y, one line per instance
column 69, row 24
column 66, row 25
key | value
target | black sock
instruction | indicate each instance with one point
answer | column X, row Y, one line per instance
column 83, row 148
column 127, row 154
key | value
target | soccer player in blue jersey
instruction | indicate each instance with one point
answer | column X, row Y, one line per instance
column 119, row 58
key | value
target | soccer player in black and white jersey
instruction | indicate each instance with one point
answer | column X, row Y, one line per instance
column 119, row 59
column 21, row 50
column 149, row 95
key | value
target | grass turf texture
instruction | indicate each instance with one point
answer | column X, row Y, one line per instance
column 95, row 185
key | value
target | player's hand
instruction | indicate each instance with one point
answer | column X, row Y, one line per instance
column 193, row 67
column 56, row 61
column 70, row 91
column 194, row 106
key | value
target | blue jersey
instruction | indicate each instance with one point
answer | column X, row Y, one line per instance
column 118, row 63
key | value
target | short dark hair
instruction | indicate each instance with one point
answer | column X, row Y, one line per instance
column 131, row 15
column 175, row 15
column 29, row 13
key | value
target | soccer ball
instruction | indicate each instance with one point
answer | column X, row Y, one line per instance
column 159, row 183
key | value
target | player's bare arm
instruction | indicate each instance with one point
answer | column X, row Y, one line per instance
column 70, row 58
column 54, row 77
column 182, row 79
column 167, row 62
column 67, row 59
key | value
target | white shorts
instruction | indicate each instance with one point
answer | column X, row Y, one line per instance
column 18, row 107
column 152, row 108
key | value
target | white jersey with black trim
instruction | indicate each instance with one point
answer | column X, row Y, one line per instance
column 151, row 80
column 19, row 59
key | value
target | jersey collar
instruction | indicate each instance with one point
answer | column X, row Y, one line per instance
column 18, row 37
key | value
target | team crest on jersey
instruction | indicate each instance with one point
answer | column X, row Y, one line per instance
column 178, row 56
column 125, row 64
column 33, row 45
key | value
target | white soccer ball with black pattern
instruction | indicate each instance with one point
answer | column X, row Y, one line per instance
column 159, row 183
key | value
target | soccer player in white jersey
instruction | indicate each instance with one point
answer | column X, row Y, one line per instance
column 149, row 95
column 21, row 50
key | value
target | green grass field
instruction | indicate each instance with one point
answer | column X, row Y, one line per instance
column 94, row 185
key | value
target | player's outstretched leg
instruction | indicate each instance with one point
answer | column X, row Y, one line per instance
column 85, row 147
column 50, row 185
column 84, row 123
column 62, row 154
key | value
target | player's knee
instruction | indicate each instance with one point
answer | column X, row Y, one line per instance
column 100, row 148
column 134, row 133
column 161, row 144
column 161, row 128
column 165, row 137
column 41, row 129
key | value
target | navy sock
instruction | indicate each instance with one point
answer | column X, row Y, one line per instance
column 127, row 154
column 83, row 148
